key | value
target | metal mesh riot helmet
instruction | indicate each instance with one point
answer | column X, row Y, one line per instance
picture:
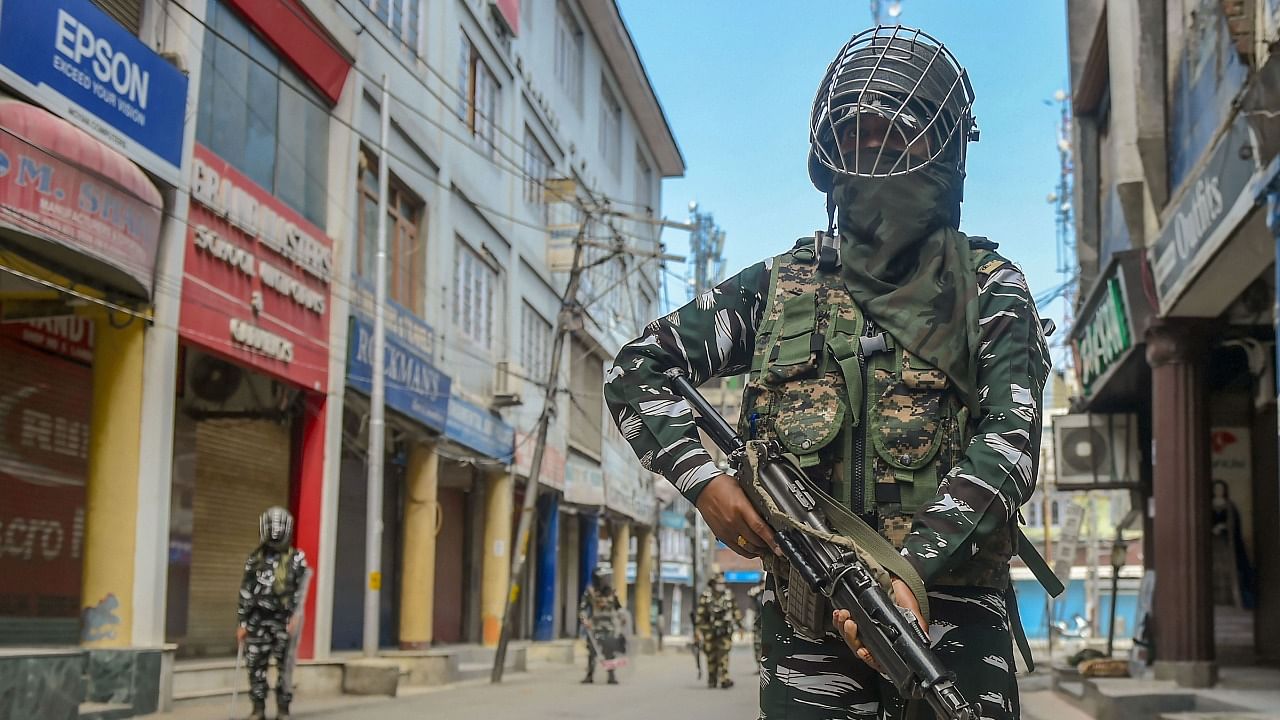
column 893, row 101
column 602, row 578
column 275, row 527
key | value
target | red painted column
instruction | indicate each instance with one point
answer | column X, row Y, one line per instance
column 309, row 498
column 1180, row 427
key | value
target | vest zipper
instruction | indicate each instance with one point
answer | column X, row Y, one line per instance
column 858, row 491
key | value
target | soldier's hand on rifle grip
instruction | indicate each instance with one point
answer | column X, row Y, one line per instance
column 841, row 620
column 733, row 519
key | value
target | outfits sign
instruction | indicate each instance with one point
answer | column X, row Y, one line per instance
column 80, row 63
column 257, row 277
column 1195, row 227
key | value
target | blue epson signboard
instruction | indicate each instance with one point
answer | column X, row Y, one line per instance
column 80, row 63
column 479, row 429
column 414, row 387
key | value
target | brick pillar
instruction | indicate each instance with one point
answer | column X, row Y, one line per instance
column 1184, row 594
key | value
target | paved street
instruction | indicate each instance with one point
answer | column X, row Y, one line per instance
column 658, row 686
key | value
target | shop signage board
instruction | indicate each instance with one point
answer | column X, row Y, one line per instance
column 554, row 472
column 43, row 194
column 414, row 387
column 400, row 322
column 70, row 336
column 479, row 429
column 80, row 63
column 1106, row 334
column 677, row 572
column 583, row 482
column 1213, row 201
column 257, row 277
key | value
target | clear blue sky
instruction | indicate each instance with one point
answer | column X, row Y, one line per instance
column 737, row 77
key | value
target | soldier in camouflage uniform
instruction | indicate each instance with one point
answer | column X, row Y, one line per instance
column 274, row 586
column 898, row 360
column 717, row 617
column 598, row 609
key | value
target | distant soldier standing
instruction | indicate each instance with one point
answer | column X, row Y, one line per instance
column 718, row 616
column 274, row 586
column 598, row 610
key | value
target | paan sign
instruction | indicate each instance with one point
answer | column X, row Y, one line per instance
column 1107, row 334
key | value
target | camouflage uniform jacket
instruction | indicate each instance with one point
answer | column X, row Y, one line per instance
column 985, row 481
column 601, row 609
column 272, row 582
column 717, row 615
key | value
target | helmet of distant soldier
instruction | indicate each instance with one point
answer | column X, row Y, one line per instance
column 275, row 527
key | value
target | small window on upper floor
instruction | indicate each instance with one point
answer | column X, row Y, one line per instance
column 404, row 17
column 610, row 128
column 537, row 167
column 569, row 45
column 480, row 96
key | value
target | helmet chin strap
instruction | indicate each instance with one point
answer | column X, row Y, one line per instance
column 831, row 213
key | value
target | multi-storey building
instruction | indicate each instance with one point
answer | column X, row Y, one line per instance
column 1175, row 148
column 188, row 245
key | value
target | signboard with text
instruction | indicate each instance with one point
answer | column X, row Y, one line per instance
column 83, row 65
column 75, row 212
column 479, row 429
column 413, row 385
column 257, row 277
column 1106, row 335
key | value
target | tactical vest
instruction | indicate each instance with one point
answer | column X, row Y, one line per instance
column 871, row 424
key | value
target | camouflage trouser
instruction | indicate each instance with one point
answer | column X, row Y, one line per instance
column 268, row 638
column 803, row 680
column 755, row 635
column 716, row 648
column 607, row 638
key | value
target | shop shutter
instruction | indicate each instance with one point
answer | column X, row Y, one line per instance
column 242, row 468
column 126, row 12
column 44, row 441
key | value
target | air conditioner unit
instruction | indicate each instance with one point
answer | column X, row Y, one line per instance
column 216, row 388
column 1096, row 451
column 508, row 384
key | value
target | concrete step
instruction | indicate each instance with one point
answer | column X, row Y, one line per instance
column 105, row 711
column 1048, row 705
column 197, row 681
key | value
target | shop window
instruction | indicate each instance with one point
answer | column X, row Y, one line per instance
column 610, row 128
column 474, row 287
column 259, row 115
column 479, row 100
column 569, row 44
column 535, row 343
column 406, row 253
column 537, row 167
column 404, row 17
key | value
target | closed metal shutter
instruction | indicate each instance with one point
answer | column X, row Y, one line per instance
column 126, row 12
column 242, row 468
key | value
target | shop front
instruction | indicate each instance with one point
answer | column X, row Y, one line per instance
column 1213, row 413
column 417, row 400
column 480, row 450
column 250, row 423
column 81, row 220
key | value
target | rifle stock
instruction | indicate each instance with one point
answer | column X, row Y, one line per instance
column 889, row 632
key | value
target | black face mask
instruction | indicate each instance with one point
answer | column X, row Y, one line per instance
column 895, row 211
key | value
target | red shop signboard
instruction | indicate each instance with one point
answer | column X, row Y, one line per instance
column 257, row 277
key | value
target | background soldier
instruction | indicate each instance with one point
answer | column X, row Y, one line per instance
column 718, row 617
column 271, row 596
column 900, row 361
column 598, row 610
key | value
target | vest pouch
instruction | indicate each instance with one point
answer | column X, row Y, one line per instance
column 908, row 425
column 808, row 415
column 798, row 348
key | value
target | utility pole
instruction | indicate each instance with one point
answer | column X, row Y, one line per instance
column 377, row 414
column 568, row 311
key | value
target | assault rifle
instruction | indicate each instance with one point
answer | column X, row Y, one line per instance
column 695, row 644
column 889, row 632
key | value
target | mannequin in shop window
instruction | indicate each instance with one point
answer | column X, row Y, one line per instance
column 1232, row 572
